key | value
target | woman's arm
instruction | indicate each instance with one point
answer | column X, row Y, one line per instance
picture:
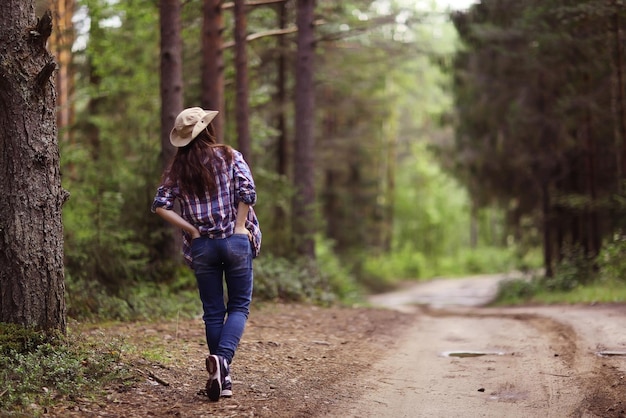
column 242, row 215
column 176, row 220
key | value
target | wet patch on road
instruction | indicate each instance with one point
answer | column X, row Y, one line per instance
column 465, row 353
column 611, row 354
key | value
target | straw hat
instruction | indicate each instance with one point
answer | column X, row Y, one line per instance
column 189, row 123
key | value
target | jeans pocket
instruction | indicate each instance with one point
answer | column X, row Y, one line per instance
column 239, row 244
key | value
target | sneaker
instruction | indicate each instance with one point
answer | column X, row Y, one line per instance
column 227, row 383
column 214, row 384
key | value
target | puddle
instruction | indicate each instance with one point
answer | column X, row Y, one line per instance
column 611, row 353
column 464, row 354
column 508, row 396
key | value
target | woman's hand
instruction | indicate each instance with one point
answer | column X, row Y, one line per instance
column 195, row 233
column 243, row 230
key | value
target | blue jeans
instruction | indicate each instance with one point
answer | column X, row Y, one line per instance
column 214, row 260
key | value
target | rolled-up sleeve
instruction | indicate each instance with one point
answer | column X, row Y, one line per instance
column 164, row 199
column 245, row 190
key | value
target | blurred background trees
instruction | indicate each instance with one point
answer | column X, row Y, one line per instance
column 437, row 147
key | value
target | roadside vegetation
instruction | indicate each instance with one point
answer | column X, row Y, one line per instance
column 409, row 190
column 577, row 279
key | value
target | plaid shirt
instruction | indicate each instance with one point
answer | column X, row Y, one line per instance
column 215, row 215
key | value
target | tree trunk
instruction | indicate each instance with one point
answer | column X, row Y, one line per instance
column 60, row 44
column 242, row 113
column 31, row 230
column 474, row 225
column 303, row 205
column 618, row 103
column 592, row 228
column 281, row 95
column 547, row 225
column 212, row 96
column 171, row 104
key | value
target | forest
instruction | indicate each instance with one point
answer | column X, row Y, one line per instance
column 391, row 140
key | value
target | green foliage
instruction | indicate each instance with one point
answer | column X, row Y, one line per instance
column 384, row 272
column 323, row 281
column 577, row 278
column 612, row 259
column 534, row 129
column 574, row 270
column 431, row 212
column 513, row 290
column 336, row 273
column 89, row 300
column 36, row 371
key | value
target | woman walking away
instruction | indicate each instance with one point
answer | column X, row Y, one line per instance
column 221, row 234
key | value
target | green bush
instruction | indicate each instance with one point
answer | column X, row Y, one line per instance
column 91, row 300
column 575, row 269
column 515, row 290
column 612, row 259
column 383, row 272
column 323, row 281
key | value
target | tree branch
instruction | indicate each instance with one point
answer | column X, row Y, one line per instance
column 272, row 32
column 253, row 3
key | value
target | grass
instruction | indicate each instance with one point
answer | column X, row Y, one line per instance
column 520, row 292
column 37, row 371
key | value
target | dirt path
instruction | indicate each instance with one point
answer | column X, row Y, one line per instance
column 460, row 360
column 428, row 350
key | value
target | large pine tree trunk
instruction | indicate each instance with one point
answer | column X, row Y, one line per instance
column 212, row 82
column 31, row 230
column 303, row 210
column 171, row 103
column 242, row 113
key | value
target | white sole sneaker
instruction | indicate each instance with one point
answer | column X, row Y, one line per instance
column 214, row 384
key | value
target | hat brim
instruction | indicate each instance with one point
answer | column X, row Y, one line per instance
column 181, row 141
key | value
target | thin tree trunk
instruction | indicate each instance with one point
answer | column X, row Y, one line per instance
column 592, row 225
column 212, row 83
column 242, row 113
column 618, row 103
column 304, row 199
column 547, row 225
column 31, row 231
column 281, row 95
column 60, row 44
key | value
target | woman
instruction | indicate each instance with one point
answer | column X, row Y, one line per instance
column 221, row 233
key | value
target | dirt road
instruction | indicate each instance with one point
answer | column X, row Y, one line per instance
column 433, row 352
column 459, row 359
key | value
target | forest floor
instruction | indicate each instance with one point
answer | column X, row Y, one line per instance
column 420, row 354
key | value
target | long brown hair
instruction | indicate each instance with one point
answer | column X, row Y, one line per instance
column 195, row 165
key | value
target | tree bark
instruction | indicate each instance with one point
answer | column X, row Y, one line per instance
column 31, row 231
column 547, row 227
column 171, row 104
column 618, row 103
column 171, row 74
column 303, row 205
column 242, row 113
column 212, row 82
column 60, row 44
column 281, row 95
